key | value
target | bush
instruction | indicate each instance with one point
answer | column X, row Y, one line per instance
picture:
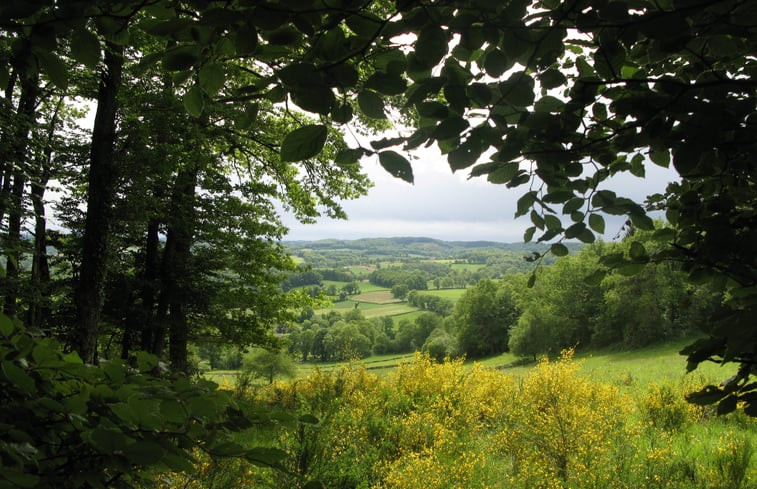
column 66, row 424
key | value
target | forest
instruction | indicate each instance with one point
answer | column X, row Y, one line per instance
column 146, row 144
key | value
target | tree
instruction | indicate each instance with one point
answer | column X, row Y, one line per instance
column 574, row 93
column 483, row 317
column 399, row 291
column 267, row 364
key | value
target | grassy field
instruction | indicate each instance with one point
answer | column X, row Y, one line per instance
column 630, row 368
column 376, row 297
column 471, row 267
column 636, row 368
column 385, row 310
column 360, row 269
column 451, row 294
column 376, row 362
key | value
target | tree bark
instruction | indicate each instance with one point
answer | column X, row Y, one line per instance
column 24, row 121
column 175, row 276
column 6, row 153
column 40, row 274
column 100, row 196
column 150, row 284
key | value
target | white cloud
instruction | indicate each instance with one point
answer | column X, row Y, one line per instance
column 448, row 206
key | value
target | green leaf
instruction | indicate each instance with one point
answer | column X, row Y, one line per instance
column 433, row 110
column 344, row 75
column 246, row 40
column 637, row 250
column 55, row 68
column 525, row 202
column 727, row 405
column 629, row 269
column 552, row 78
column 315, row 98
column 529, row 234
column 559, row 249
column 431, row 46
column 371, row 104
column 586, row 236
column 245, row 119
column 503, row 173
column 18, row 377
column 572, row 205
column 20, row 480
column 397, row 165
column 597, row 223
column 365, row 24
column 531, row 281
column 194, row 102
column 387, row 83
column 180, row 59
column 308, row 419
column 642, row 221
column 664, row 235
column 342, row 113
column 553, row 222
column 349, row 156
column 456, row 97
column 449, row 128
column 85, row 48
column 595, row 278
column 708, row 395
column 518, row 90
column 212, row 78
column 144, row 452
column 574, row 230
column 228, row 449
column 265, row 456
column 496, row 63
column 549, row 103
column 299, row 75
column 660, row 156
column 304, row 142
column 464, row 156
column 6, row 325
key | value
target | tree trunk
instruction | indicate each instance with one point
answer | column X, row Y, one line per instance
column 100, row 195
column 150, row 284
column 40, row 275
column 181, row 231
column 24, row 121
column 6, row 153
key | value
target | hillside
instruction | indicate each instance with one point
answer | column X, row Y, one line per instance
column 367, row 250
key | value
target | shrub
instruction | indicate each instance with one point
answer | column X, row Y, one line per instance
column 66, row 424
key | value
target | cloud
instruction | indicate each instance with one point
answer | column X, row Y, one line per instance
column 449, row 206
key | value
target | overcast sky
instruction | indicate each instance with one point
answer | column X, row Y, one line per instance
column 448, row 206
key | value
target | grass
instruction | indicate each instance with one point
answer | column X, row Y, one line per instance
column 376, row 297
column 634, row 368
column 658, row 363
column 471, row 267
column 375, row 362
column 359, row 270
column 451, row 294
column 386, row 310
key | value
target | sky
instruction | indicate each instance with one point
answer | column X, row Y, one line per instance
column 449, row 206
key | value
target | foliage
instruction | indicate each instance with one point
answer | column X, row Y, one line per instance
column 67, row 424
column 266, row 364
column 484, row 316
column 440, row 425
column 652, row 305
column 400, row 291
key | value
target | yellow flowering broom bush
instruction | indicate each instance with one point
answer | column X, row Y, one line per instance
column 447, row 425
column 565, row 430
